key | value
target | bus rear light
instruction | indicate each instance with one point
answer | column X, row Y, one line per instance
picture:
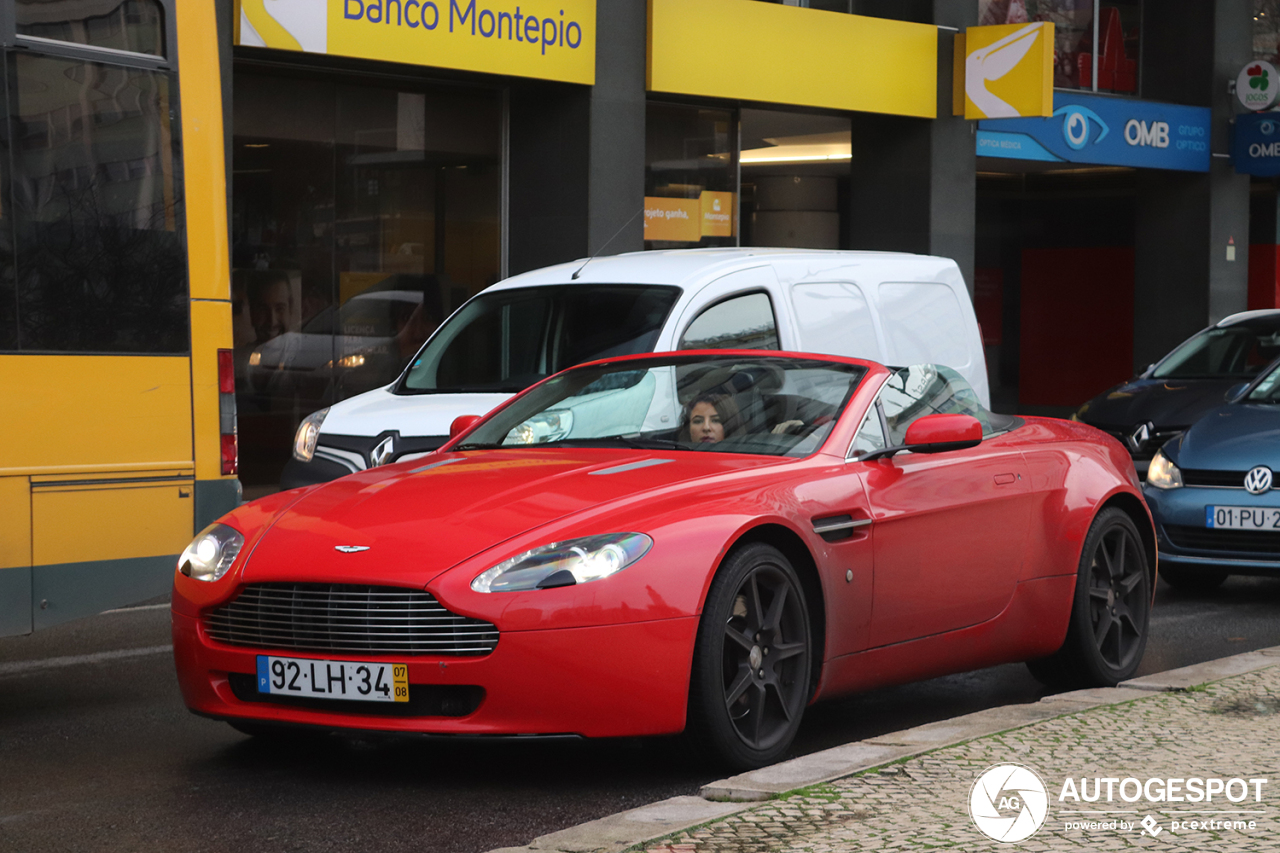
column 227, row 412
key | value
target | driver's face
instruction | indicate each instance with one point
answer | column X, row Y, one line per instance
column 270, row 313
column 705, row 424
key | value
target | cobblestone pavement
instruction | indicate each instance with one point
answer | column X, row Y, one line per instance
column 1226, row 730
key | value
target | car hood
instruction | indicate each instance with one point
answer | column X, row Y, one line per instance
column 376, row 411
column 1168, row 403
column 417, row 520
column 1231, row 437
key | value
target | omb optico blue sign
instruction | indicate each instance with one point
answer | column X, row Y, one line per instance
column 1255, row 145
column 1105, row 132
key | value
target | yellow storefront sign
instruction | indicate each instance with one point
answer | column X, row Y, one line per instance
column 717, row 213
column 791, row 55
column 545, row 39
column 672, row 219
column 1008, row 71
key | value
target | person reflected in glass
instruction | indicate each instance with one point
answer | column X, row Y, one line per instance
column 709, row 419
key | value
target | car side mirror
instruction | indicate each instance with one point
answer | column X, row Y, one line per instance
column 940, row 433
column 461, row 424
column 1235, row 392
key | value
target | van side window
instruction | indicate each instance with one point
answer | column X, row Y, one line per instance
column 921, row 323
column 834, row 317
column 741, row 322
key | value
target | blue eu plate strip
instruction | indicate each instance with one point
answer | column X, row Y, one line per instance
column 264, row 674
column 1208, row 516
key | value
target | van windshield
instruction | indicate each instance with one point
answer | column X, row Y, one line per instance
column 506, row 340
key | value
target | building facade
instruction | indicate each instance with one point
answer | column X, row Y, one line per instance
column 390, row 159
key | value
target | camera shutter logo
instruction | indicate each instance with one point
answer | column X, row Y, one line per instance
column 1258, row 481
column 1009, row 803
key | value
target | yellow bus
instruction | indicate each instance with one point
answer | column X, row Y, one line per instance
column 117, row 420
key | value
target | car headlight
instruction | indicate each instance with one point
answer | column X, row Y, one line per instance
column 565, row 563
column 211, row 553
column 1162, row 473
column 304, row 442
column 548, row 426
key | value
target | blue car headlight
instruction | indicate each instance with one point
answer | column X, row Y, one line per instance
column 566, row 563
column 211, row 553
column 1162, row 473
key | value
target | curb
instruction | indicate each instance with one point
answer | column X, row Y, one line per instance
column 624, row 830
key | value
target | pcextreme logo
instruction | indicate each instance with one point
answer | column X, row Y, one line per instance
column 547, row 39
column 1008, row 71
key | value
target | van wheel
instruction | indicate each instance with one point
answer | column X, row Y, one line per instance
column 751, row 666
column 1110, row 613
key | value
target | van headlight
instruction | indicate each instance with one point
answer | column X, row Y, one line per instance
column 1162, row 473
column 211, row 553
column 565, row 563
column 551, row 425
column 304, row 442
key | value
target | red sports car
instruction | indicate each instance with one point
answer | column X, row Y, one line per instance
column 695, row 541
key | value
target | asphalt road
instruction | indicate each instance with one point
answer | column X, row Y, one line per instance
column 97, row 752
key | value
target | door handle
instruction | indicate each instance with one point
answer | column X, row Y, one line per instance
column 1005, row 479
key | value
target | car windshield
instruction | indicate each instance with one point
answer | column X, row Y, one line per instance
column 1238, row 351
column 1267, row 389
column 775, row 406
column 506, row 340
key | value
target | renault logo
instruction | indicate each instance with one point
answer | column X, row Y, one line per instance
column 351, row 549
column 1140, row 436
column 382, row 454
column 1258, row 481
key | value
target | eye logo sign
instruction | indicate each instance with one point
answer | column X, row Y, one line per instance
column 1009, row 803
column 1075, row 125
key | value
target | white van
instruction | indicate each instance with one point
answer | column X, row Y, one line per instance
column 892, row 308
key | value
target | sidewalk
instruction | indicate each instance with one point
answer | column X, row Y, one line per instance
column 1208, row 730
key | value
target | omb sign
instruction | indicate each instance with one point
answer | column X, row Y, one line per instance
column 1255, row 144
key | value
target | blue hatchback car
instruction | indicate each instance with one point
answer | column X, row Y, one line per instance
column 1214, row 492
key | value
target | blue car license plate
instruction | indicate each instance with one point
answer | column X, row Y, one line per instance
column 1242, row 518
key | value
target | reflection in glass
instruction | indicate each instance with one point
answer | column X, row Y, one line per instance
column 97, row 209
column 1073, row 60
column 133, row 25
column 362, row 217
column 690, row 178
column 744, row 322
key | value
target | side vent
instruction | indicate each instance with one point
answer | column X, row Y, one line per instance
column 835, row 528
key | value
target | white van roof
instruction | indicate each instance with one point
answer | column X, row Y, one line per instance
column 681, row 266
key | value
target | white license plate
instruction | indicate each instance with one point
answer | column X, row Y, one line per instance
column 333, row 679
column 1242, row 518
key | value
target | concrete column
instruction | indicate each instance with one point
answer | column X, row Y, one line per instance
column 577, row 153
column 913, row 180
column 1191, row 50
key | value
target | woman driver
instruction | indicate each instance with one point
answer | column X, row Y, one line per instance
column 709, row 418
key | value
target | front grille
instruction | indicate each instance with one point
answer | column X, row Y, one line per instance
column 1250, row 542
column 1196, row 477
column 347, row 618
column 425, row 700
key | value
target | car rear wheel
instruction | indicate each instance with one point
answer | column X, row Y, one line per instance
column 1193, row 580
column 1111, row 610
column 751, row 667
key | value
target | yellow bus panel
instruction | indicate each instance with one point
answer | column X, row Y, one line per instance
column 15, row 529
column 90, row 519
column 69, row 413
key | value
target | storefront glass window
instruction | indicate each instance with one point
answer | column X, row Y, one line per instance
column 362, row 216
column 795, row 172
column 690, row 180
column 133, row 25
column 1266, row 30
column 1119, row 27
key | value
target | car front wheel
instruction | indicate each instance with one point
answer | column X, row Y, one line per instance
column 750, row 681
column 1111, row 609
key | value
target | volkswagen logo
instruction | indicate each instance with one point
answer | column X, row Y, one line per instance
column 382, row 454
column 1258, row 481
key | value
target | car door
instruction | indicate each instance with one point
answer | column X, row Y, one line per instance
column 948, row 529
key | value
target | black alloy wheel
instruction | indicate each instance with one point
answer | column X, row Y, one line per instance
column 752, row 663
column 1111, row 611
